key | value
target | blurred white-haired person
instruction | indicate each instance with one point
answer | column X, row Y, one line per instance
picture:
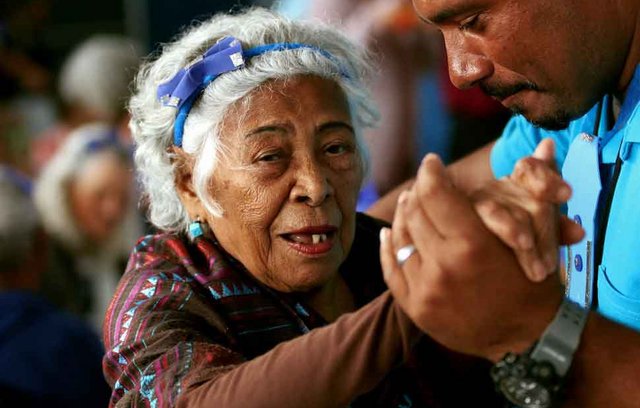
column 86, row 199
column 47, row 358
column 93, row 86
column 265, row 288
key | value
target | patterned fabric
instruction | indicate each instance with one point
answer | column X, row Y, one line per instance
column 185, row 313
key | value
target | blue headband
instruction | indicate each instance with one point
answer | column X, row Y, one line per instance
column 109, row 139
column 226, row 55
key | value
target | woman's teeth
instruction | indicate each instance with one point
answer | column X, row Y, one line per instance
column 308, row 238
column 318, row 238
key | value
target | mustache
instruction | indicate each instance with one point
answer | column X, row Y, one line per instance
column 502, row 91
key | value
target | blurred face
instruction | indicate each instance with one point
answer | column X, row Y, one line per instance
column 288, row 183
column 100, row 193
column 547, row 59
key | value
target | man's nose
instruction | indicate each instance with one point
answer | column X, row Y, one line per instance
column 466, row 68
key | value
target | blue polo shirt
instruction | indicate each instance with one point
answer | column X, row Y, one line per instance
column 618, row 275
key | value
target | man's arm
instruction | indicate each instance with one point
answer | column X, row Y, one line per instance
column 468, row 174
column 606, row 367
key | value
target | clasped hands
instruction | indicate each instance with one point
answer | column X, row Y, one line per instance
column 483, row 279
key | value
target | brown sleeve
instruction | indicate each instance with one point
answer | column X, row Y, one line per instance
column 328, row 367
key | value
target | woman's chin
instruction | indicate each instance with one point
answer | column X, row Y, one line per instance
column 303, row 280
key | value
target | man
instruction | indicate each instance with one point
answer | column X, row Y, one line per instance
column 570, row 68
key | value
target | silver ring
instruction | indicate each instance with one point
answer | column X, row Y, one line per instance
column 404, row 254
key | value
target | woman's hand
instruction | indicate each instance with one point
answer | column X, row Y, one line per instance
column 523, row 211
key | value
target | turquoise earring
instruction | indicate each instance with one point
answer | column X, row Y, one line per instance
column 196, row 229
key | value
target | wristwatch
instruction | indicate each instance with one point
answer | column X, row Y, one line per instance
column 534, row 379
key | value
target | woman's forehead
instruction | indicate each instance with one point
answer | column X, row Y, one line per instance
column 99, row 166
column 295, row 98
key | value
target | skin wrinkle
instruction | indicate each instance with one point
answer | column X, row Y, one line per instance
column 313, row 179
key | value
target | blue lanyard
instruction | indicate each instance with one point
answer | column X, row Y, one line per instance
column 591, row 203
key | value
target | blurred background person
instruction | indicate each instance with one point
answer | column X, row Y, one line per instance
column 93, row 86
column 86, row 199
column 47, row 358
column 25, row 79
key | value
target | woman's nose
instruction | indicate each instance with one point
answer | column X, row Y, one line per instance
column 312, row 184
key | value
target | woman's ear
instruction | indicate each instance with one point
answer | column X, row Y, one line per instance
column 183, row 180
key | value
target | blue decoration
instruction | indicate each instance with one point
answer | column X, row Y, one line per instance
column 195, row 230
column 182, row 90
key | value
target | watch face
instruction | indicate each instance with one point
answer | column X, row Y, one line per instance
column 525, row 392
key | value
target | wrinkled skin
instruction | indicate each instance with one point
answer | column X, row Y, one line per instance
column 290, row 162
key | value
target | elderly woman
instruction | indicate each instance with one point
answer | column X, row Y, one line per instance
column 85, row 199
column 266, row 289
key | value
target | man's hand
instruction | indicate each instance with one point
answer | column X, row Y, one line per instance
column 523, row 211
column 463, row 287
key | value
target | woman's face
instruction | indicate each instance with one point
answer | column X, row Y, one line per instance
column 99, row 195
column 288, row 183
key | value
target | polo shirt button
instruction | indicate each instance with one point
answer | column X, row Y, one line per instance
column 577, row 219
column 577, row 262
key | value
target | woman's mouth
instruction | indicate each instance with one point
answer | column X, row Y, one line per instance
column 312, row 240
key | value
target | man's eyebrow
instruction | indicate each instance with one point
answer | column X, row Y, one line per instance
column 447, row 14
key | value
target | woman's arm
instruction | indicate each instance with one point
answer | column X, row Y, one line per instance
column 329, row 367
column 167, row 346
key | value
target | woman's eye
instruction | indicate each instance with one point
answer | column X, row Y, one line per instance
column 337, row 148
column 269, row 157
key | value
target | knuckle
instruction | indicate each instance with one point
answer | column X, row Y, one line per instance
column 511, row 231
column 468, row 249
column 523, row 167
column 539, row 209
column 520, row 215
column 489, row 208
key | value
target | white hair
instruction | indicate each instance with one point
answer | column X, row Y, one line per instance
column 52, row 197
column 98, row 72
column 152, row 124
column 18, row 223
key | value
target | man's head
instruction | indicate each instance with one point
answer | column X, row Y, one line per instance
column 547, row 59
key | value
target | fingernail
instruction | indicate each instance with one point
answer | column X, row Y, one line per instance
column 525, row 241
column 384, row 234
column 402, row 198
column 550, row 262
column 539, row 270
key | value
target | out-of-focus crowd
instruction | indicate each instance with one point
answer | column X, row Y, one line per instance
column 68, row 208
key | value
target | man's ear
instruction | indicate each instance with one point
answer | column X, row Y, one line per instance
column 183, row 180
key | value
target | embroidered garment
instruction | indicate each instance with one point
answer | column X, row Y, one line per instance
column 188, row 324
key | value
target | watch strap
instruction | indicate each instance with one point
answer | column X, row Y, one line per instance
column 561, row 338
